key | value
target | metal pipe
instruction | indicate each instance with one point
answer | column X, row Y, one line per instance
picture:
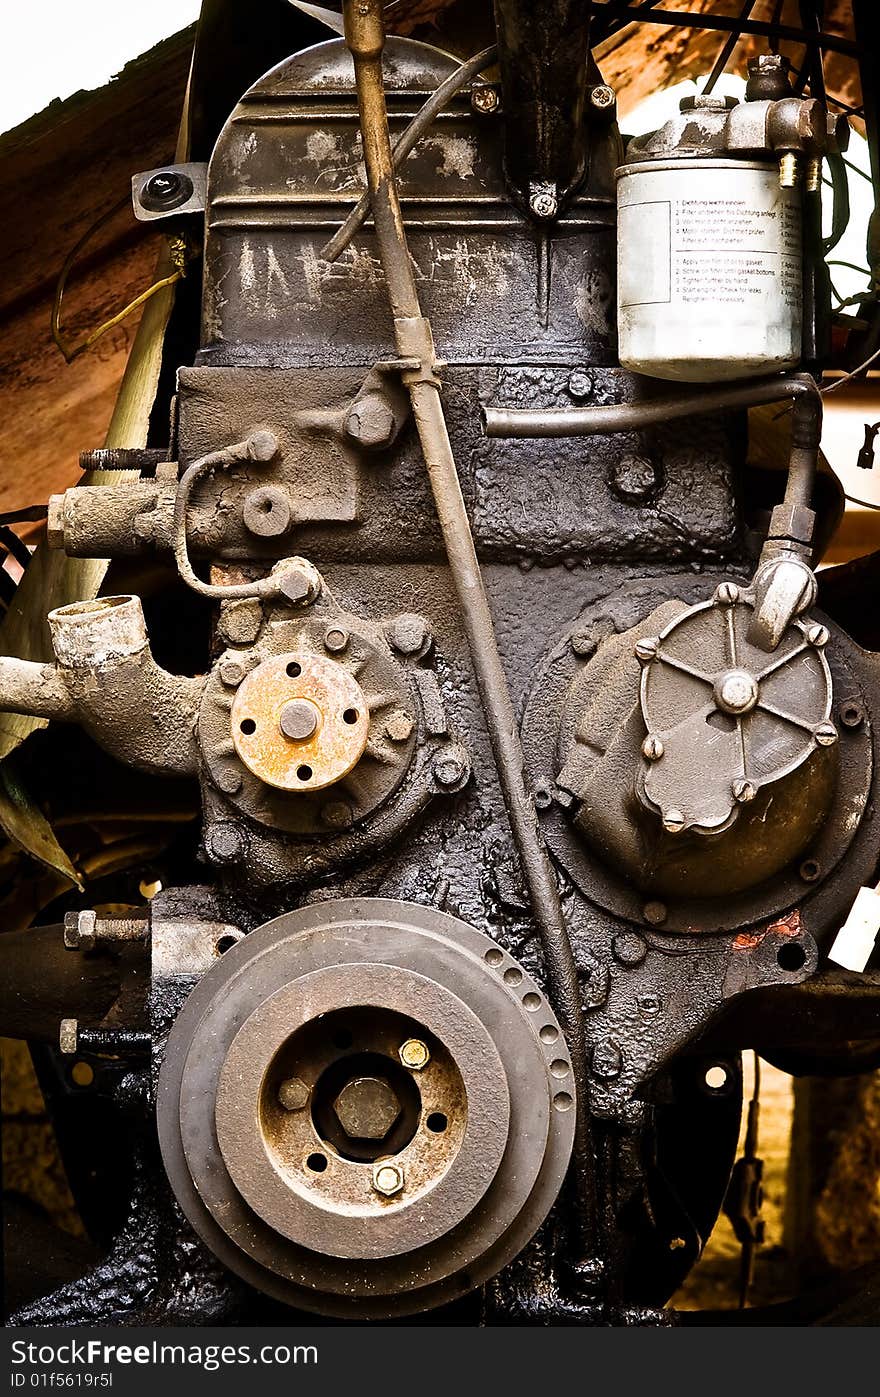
column 364, row 33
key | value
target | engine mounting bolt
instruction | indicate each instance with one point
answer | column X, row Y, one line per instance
column 337, row 814
column 647, row 649
column 388, row 1179
column 743, row 791
column 299, row 720
column 293, row 1094
column 335, row 639
column 399, row 726
column 414, row 1054
column 655, row 913
column 484, row 99
column 603, row 97
column 673, row 821
column 580, row 383
column 231, row 672
column 727, row 594
column 818, row 636
column 852, row 715
column 826, row 734
column 652, row 748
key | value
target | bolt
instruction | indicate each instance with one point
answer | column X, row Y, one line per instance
column 743, row 791
column 450, row 769
column 388, row 1179
column 818, row 636
column 335, row 639
column 408, row 634
column 650, row 1004
column 789, row 170
column 826, row 734
column 79, row 931
column 370, row 423
column 647, row 649
column 337, row 814
column 655, row 913
column 293, row 583
column 607, row 1061
column 68, row 1036
column 652, row 748
column 414, row 1054
column 628, row 948
column 228, row 780
column 544, row 202
column 727, row 594
column 580, row 383
column 484, row 99
column 293, row 1094
column 813, row 178
column 266, row 512
column 231, row 672
column 366, row 1108
column 852, row 715
column 736, row 691
column 603, row 98
column 165, row 190
column 583, row 644
column 240, row 621
column 633, row 479
column 224, row 842
column 299, row 720
column 399, row 726
column 673, row 821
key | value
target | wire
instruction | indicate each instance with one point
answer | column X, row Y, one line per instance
column 865, row 504
column 726, row 24
column 853, row 374
column 724, row 56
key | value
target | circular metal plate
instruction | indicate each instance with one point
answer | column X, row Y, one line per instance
column 401, row 1254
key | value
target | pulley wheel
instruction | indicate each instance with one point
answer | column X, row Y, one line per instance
column 366, row 1108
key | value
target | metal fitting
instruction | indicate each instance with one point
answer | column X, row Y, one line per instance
column 646, row 649
column 789, row 169
column 485, row 99
column 293, row 1094
column 652, row 748
column 414, row 1054
column 388, row 1179
column 68, row 1036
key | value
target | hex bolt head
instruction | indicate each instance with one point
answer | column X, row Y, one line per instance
column 299, row 720
column 367, row 1108
column 231, row 672
column 79, row 931
column 370, row 423
column 414, row 1054
column 743, row 791
column 607, row 1060
column 727, row 594
column 398, row 726
column 484, row 99
column 388, row 1179
column 450, row 769
column 408, row 634
column 673, row 821
column 628, row 948
column 655, row 913
column 826, row 734
column 293, row 1094
column 818, row 636
column 240, row 621
column 646, row 649
column 652, row 748
column 335, row 639
column 580, row 384
column 603, row 98
column 224, row 842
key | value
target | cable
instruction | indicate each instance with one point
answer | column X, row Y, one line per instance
column 853, row 374
column 730, row 44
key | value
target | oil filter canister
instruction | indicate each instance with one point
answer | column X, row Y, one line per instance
column 709, row 269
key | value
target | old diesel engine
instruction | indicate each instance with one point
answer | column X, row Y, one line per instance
column 534, row 760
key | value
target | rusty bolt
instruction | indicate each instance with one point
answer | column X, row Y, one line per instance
column 370, row 423
column 408, row 634
column 231, row 672
column 727, row 594
column 826, row 734
column 603, row 98
column 655, row 913
column 743, row 791
column 818, row 636
column 414, row 1054
column 299, row 719
column 335, row 639
column 652, row 748
column 366, row 1108
column 240, row 621
column 399, row 726
column 484, row 99
column 224, row 842
column 580, row 383
column 673, row 821
column 388, row 1179
column 646, row 649
column 293, row 1094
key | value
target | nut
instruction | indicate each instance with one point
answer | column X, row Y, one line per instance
column 414, row 1054
column 388, row 1179
column 240, row 621
column 299, row 719
column 293, row 1094
column 484, row 99
column 231, row 672
column 224, row 842
column 79, row 931
column 408, row 634
column 366, row 1108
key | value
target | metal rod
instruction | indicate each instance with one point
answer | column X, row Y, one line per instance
column 364, row 33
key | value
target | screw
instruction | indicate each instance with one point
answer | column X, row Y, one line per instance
column 450, row 769
column 484, row 99
column 544, row 203
column 231, row 672
column 337, row 814
column 580, row 383
column 647, row 649
column 652, row 748
column 826, row 734
column 299, row 719
column 388, row 1179
column 603, row 98
column 727, row 594
column 414, row 1054
column 655, row 913
column 673, row 821
column 818, row 636
column 399, row 726
column 743, row 791
column 166, row 190
column 68, row 1035
column 293, row 1094
column 408, row 634
column 335, row 639
column 789, row 170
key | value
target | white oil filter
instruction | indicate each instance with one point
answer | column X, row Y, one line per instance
column 709, row 269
